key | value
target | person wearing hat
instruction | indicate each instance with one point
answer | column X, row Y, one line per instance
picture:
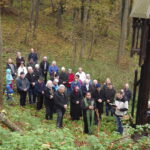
column 98, row 96
column 39, row 91
column 23, row 86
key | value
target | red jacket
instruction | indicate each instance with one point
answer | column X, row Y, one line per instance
column 70, row 79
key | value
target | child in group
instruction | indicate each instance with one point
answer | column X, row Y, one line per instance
column 9, row 78
column 9, row 92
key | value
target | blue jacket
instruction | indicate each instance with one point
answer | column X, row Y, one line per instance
column 53, row 69
column 73, row 84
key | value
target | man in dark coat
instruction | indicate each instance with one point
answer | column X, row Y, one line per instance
column 98, row 96
column 32, row 79
column 44, row 66
column 33, row 56
column 63, row 77
column 109, row 98
column 60, row 100
column 49, row 100
column 75, row 104
column 23, row 87
column 88, row 106
column 87, row 87
column 38, row 72
column 39, row 90
column 127, row 91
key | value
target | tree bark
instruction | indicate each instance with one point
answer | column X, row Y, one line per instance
column 124, row 27
column 59, row 15
column 9, row 124
column 1, row 64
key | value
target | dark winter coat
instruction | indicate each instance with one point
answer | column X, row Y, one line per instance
column 75, row 109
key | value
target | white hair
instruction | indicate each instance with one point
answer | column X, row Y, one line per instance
column 49, row 84
column 56, row 80
column 63, row 69
column 53, row 62
column 61, row 86
column 29, row 68
column 37, row 66
column 45, row 57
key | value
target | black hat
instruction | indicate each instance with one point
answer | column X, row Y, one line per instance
column 22, row 73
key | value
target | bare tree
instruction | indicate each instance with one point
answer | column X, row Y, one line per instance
column 124, row 28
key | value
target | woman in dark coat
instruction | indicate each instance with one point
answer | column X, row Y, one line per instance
column 75, row 104
column 49, row 100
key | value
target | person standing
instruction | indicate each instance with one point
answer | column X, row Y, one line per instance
column 19, row 60
column 22, row 68
column 121, row 107
column 60, row 100
column 88, row 107
column 10, row 65
column 127, row 91
column 63, row 77
column 33, row 56
column 109, row 98
column 98, row 96
column 75, row 104
column 75, row 83
column 53, row 70
column 38, row 72
column 9, row 78
column 87, row 87
column 70, row 80
column 32, row 79
column 22, row 86
column 39, row 90
column 49, row 100
column 44, row 65
column 82, row 75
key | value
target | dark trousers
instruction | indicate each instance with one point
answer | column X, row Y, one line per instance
column 45, row 77
column 39, row 101
column 49, row 112
column 32, row 96
column 109, row 109
column 119, row 125
column 23, row 96
column 60, row 115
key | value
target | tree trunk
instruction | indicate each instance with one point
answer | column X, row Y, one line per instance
column 9, row 124
column 52, row 6
column 124, row 27
column 59, row 15
column 36, row 18
column 1, row 64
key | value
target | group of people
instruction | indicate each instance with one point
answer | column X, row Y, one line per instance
column 85, row 96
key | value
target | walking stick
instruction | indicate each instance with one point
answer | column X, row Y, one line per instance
column 98, row 127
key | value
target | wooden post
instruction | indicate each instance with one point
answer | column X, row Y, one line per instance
column 134, row 93
column 144, row 88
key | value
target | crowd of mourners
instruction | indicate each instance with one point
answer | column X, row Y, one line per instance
column 85, row 96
